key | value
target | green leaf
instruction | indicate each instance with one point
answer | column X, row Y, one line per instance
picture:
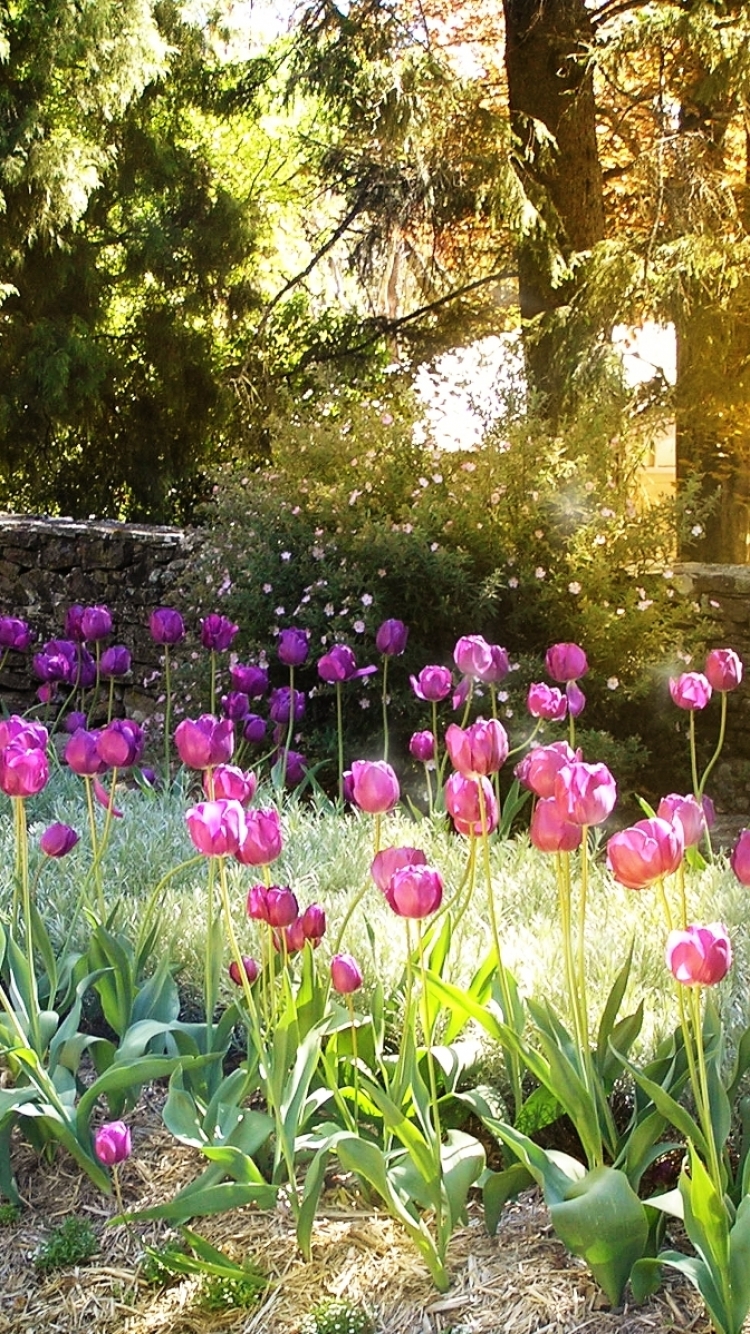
column 612, row 1009
column 706, row 1220
column 479, row 990
column 498, row 1188
column 671, row 1110
column 739, row 1264
column 463, row 1161
column 204, row 1201
column 603, row 1221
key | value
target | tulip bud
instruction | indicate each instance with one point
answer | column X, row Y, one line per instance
column 566, row 662
column 391, row 638
column 293, row 647
column 699, row 956
column 345, row 974
column 166, row 626
column 422, row 746
column 249, row 967
column 217, row 632
column 112, row 1143
column 690, row 691
column 375, row 786
column 723, row 669
column 58, row 840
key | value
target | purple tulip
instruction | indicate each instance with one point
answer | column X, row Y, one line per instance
column 724, row 669
column 216, row 827
column 217, row 632
column 346, row 976
column 73, row 720
column 471, row 804
column 740, row 858
column 433, row 684
column 120, row 743
column 251, row 680
column 72, row 627
column 96, row 623
column 235, row 705
column 205, row 741
column 690, row 691
column 24, row 770
column 296, row 766
column 115, row 662
column 57, row 661
column 261, row 842
column 15, row 634
column 422, row 746
column 280, row 704
column 566, row 662
column 23, row 732
column 293, row 647
column 112, row 1143
column 498, row 668
column 414, row 891
column 699, row 956
column 254, row 729
column 58, row 840
column 81, row 754
column 166, row 626
column 644, row 853
column 391, row 638
column 549, row 831
column 538, row 769
column 481, row 748
column 250, row 968
column 576, row 698
column 375, row 786
column 585, row 793
column 340, row 664
column 546, row 702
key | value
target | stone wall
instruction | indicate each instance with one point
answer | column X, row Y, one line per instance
column 48, row 564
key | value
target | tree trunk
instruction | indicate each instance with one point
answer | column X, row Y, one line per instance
column 547, row 60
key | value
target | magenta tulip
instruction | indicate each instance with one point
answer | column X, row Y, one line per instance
column 235, row 705
column 281, row 906
column 391, row 638
column 389, row 860
column 96, row 623
column 280, row 705
column 115, row 662
column 585, row 793
column 740, row 858
column 549, row 831
column 690, row 691
column 433, row 684
column 346, row 976
column 216, row 827
column 546, row 702
column 699, row 956
column 313, row 921
column 24, row 771
column 576, row 699
column 566, row 662
column 422, row 746
column 724, row 669
column 251, row 680
column 166, row 626
column 229, row 782
column 687, row 813
column 293, row 647
column 472, row 655
column 261, row 841
column 15, row 634
column 106, row 799
column 471, row 804
column 81, row 754
column 204, row 742
column 58, row 840
column 481, row 748
column 120, row 743
column 498, row 668
column 217, row 632
column 23, row 732
column 645, row 852
column 414, row 891
column 250, row 968
column 112, row 1143
column 537, row 770
column 375, row 786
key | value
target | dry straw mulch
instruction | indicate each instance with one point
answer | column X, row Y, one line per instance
column 520, row 1282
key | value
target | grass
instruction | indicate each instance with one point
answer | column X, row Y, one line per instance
column 326, row 859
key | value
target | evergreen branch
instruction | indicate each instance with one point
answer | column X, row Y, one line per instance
column 323, row 250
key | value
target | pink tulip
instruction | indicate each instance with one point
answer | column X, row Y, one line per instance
column 465, row 806
column 313, row 922
column 106, row 798
column 250, row 968
column 281, row 905
column 685, row 812
column 723, row 669
column 644, row 853
column 346, row 976
column 120, row 743
column 585, row 793
column 481, row 748
column 576, row 699
column 472, row 655
column 498, row 668
column 23, row 772
column 690, row 691
column 261, row 841
column 375, row 786
column 204, row 742
column 414, row 891
column 230, row 782
column 112, row 1143
column 81, row 754
column 538, row 769
column 433, row 684
column 216, row 827
column 740, row 858
column 546, row 702
column 422, row 746
column 389, row 860
column 699, row 956
column 23, row 732
column 549, row 831
column 566, row 662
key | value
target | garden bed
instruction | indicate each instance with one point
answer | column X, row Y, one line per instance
column 521, row 1281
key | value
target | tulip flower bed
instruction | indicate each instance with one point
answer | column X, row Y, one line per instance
column 413, row 1003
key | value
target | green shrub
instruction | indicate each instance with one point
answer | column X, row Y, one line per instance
column 337, row 1317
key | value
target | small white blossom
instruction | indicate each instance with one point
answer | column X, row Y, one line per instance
column 540, row 572
column 286, row 555
column 366, row 599
column 574, row 587
column 612, row 683
column 513, row 582
column 696, row 530
column 268, row 588
column 359, row 627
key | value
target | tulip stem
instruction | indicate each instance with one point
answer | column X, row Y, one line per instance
column 385, row 706
column 512, row 1059
column 340, row 739
column 167, row 713
column 694, row 757
column 700, row 1090
column 355, row 1061
column 438, row 1132
column 33, row 995
column 290, row 728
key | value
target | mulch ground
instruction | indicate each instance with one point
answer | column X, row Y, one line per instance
column 521, row 1281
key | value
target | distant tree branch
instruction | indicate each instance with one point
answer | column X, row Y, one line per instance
column 298, row 278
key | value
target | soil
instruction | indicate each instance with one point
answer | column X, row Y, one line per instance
column 521, row 1281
